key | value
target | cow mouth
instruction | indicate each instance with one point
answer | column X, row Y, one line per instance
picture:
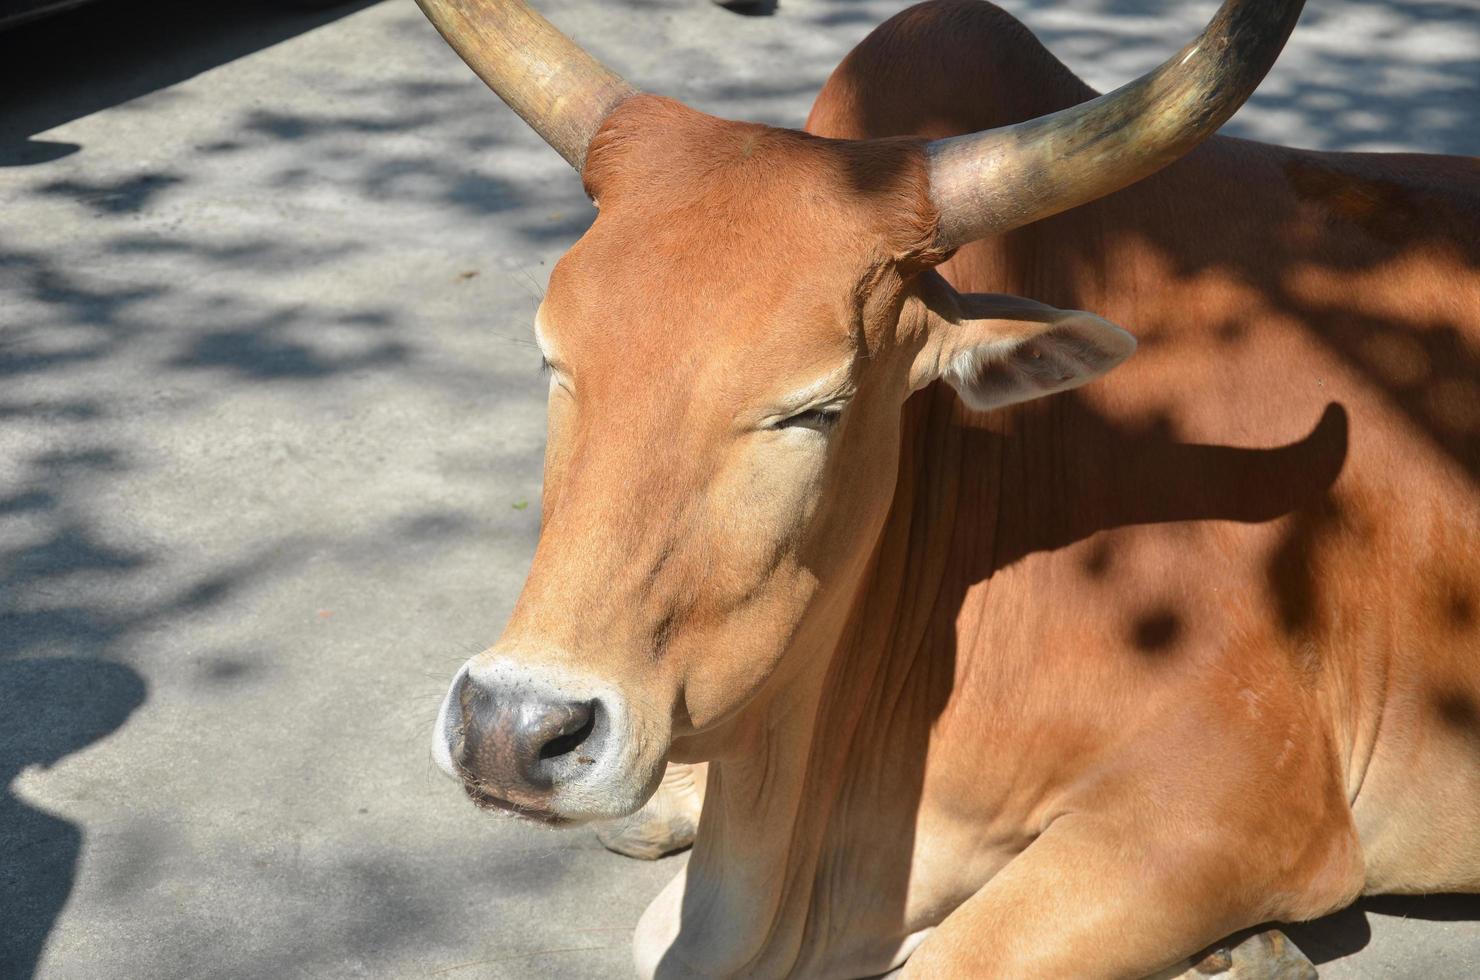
column 485, row 800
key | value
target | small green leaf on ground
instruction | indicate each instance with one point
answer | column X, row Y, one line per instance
column 520, row 505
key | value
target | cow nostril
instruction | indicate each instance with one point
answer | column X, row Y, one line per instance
column 573, row 729
column 518, row 745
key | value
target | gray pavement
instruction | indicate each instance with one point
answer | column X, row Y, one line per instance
column 270, row 437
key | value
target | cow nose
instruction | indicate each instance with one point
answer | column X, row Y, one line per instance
column 519, row 745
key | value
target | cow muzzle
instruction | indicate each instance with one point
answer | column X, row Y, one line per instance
column 543, row 745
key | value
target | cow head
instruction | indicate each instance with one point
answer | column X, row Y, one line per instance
column 729, row 349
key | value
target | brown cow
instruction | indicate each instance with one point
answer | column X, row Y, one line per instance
column 1068, row 688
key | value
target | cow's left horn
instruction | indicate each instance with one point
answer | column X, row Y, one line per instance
column 993, row 181
column 555, row 86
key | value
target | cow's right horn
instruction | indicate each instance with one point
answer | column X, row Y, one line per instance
column 990, row 182
column 544, row 76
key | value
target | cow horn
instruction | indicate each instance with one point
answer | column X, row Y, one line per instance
column 560, row 90
column 993, row 181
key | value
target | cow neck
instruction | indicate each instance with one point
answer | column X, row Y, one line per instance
column 728, row 913
column 843, row 734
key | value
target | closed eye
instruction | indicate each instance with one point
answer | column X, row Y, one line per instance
column 820, row 419
column 555, row 373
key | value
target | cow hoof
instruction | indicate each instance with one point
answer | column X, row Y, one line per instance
column 1266, row 955
column 666, row 823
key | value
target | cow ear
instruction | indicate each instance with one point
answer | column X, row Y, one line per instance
column 997, row 350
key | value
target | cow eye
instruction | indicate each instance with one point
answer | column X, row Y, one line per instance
column 821, row 419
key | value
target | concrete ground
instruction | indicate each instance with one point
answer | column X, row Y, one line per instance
column 270, row 436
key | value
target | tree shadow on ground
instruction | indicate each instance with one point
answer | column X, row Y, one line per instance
column 129, row 48
column 49, row 709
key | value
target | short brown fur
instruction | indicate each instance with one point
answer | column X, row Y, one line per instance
column 1068, row 689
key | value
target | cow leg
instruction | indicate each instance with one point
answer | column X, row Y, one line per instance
column 1094, row 898
column 666, row 823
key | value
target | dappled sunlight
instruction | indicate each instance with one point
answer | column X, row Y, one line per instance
column 272, row 430
column 268, row 399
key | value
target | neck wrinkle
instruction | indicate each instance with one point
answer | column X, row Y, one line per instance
column 739, row 883
column 833, row 761
column 891, row 675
